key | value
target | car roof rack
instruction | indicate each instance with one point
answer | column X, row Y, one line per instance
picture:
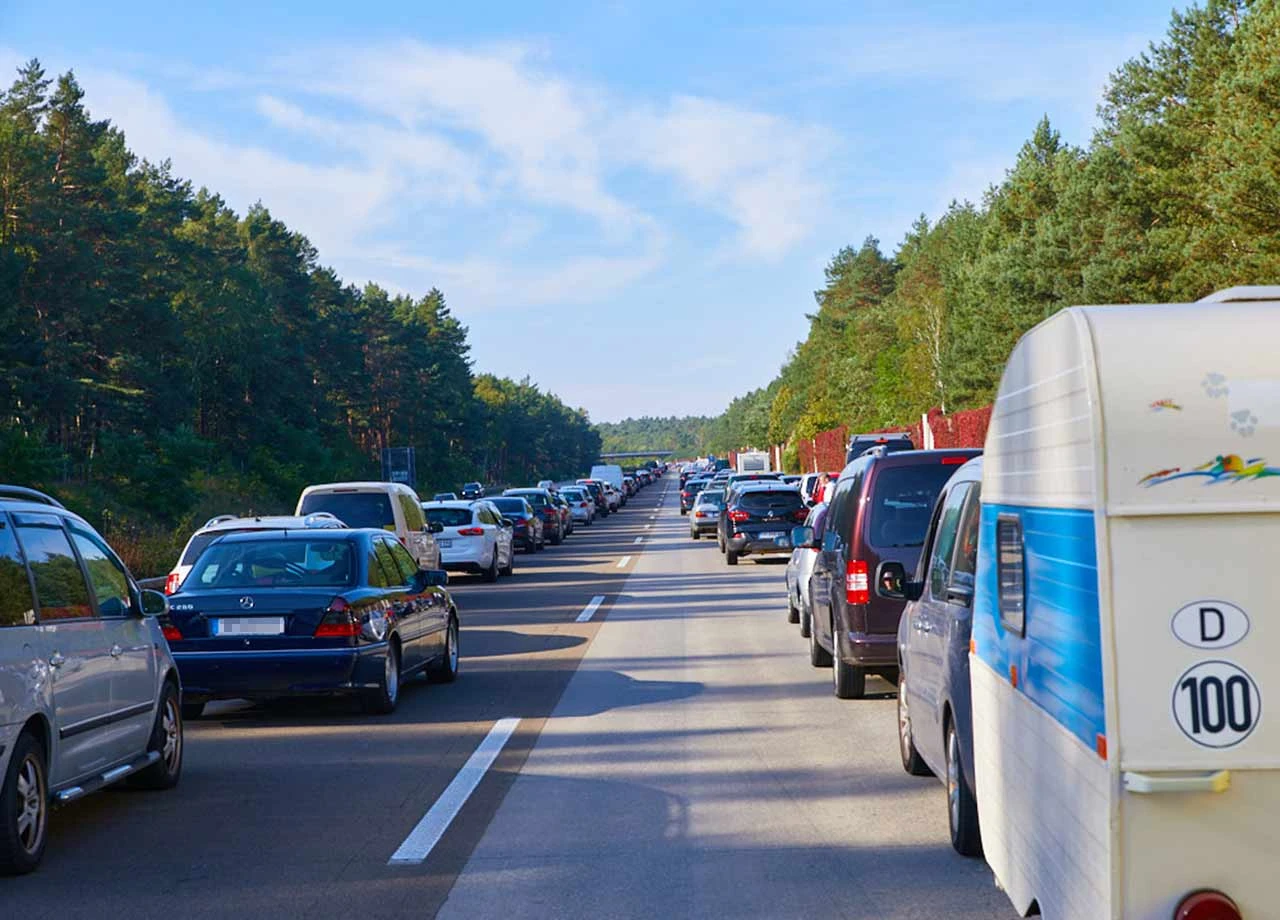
column 220, row 519
column 22, row 493
column 1243, row 293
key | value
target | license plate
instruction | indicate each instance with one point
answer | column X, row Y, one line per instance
column 771, row 535
column 248, row 626
column 444, row 544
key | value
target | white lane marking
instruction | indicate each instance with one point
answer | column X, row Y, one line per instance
column 423, row 838
column 589, row 611
column 638, row 540
column 653, row 517
column 622, row 563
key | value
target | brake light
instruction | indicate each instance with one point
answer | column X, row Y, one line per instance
column 737, row 515
column 171, row 632
column 855, row 582
column 172, row 583
column 954, row 461
column 1207, row 905
column 471, row 532
column 801, row 515
column 700, row 514
column 339, row 622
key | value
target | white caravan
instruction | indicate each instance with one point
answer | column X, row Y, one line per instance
column 753, row 461
column 1125, row 651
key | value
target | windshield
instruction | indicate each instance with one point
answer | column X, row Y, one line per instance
column 902, row 502
column 510, row 505
column 537, row 499
column 712, row 497
column 355, row 509
column 449, row 517
column 274, row 563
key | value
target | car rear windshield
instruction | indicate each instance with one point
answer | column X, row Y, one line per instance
column 533, row 498
column 355, row 509
column 902, row 501
column 449, row 517
column 275, row 563
column 711, row 497
column 201, row 540
column 784, row 500
column 510, row 505
column 574, row 495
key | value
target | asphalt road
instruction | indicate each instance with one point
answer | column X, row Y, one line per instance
column 675, row 756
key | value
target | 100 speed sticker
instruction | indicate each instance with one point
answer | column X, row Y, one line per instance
column 1216, row 704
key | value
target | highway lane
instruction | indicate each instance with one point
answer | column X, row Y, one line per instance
column 293, row 810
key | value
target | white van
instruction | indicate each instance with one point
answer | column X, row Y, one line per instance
column 389, row 506
column 1124, row 640
column 612, row 474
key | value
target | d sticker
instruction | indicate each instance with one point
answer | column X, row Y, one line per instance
column 1210, row 624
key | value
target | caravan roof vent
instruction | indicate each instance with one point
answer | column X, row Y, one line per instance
column 1244, row 294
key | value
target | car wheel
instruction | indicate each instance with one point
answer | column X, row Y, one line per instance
column 192, row 711
column 962, row 808
column 556, row 538
column 805, row 625
column 166, row 740
column 847, row 680
column 912, row 762
column 491, row 573
column 793, row 615
column 446, row 672
column 510, row 567
column 591, row 520
column 694, row 535
column 730, row 557
column 683, row 512
column 819, row 657
column 24, row 807
column 382, row 700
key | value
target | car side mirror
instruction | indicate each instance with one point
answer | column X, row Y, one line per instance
column 892, row 583
column 154, row 604
column 508, row 523
column 433, row 578
column 435, row 527
column 802, row 536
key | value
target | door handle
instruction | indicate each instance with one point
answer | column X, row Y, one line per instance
column 1148, row 784
column 116, row 651
column 57, row 660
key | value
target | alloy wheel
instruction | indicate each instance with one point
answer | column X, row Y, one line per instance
column 33, row 803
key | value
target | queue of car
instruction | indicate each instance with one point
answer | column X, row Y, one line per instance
column 347, row 597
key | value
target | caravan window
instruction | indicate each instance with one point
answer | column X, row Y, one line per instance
column 1011, row 569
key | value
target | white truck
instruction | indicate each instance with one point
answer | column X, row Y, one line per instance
column 754, row 461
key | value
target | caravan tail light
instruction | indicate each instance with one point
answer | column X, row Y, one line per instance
column 855, row 582
column 1207, row 905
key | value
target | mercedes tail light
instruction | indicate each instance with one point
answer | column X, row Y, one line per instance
column 855, row 582
column 339, row 622
column 737, row 515
column 172, row 583
column 1207, row 905
column 471, row 532
column 171, row 632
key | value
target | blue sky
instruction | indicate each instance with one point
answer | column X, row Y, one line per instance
column 629, row 202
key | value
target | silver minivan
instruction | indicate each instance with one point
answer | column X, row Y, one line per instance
column 89, row 694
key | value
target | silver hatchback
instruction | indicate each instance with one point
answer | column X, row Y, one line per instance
column 89, row 694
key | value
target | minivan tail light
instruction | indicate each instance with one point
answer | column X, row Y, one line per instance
column 172, row 583
column 737, row 515
column 338, row 622
column 1207, row 905
column 471, row 532
column 855, row 582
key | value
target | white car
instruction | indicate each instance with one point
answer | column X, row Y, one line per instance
column 581, row 506
column 228, row 523
column 473, row 537
column 547, row 484
column 389, row 506
column 800, row 568
column 613, row 497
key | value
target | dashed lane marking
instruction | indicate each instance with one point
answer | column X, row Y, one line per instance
column 589, row 611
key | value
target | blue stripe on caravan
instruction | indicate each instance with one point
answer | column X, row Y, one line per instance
column 1060, row 660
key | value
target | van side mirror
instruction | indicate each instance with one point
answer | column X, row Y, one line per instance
column 802, row 537
column 154, row 604
column 892, row 583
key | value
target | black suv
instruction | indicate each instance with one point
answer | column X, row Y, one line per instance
column 757, row 520
column 891, row 442
column 472, row 491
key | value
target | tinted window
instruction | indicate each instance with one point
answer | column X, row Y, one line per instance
column 965, row 562
column 775, row 502
column 16, row 606
column 844, row 502
column 533, row 498
column 60, row 585
column 510, row 505
column 1010, row 571
column 449, row 517
column 274, row 563
column 902, row 502
column 377, row 577
column 196, row 547
column 391, row 571
column 106, row 573
column 412, row 511
column 818, row 520
column 404, row 562
column 944, row 542
column 355, row 509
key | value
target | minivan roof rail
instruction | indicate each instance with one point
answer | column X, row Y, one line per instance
column 22, row 493
column 1244, row 293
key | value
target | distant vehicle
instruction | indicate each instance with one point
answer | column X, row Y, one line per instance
column 612, row 496
column 935, row 715
column 445, row 497
column 757, row 520
column 800, row 567
column 389, row 506
column 581, row 505
column 689, row 493
column 229, row 523
column 304, row 613
column 548, row 484
column 566, row 513
column 1123, row 619
column 722, row 463
column 704, row 515
column 754, row 461
column 890, row 441
column 879, row 513
column 608, row 472
column 791, row 479
column 474, row 537
column 810, row 484
column 89, row 692
column 526, row 524
column 598, row 495
column 472, row 490
column 543, row 505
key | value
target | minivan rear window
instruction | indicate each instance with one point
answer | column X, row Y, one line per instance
column 902, row 502
column 16, row 607
column 355, row 509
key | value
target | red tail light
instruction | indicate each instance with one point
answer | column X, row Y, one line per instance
column 801, row 515
column 700, row 514
column 339, row 622
column 172, row 583
column 855, row 582
column 471, row 532
column 1207, row 905
column 737, row 515
column 171, row 632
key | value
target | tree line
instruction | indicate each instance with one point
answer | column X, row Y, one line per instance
column 163, row 358
column 1177, row 195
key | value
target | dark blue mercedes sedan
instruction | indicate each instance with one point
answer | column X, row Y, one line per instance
column 302, row 612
